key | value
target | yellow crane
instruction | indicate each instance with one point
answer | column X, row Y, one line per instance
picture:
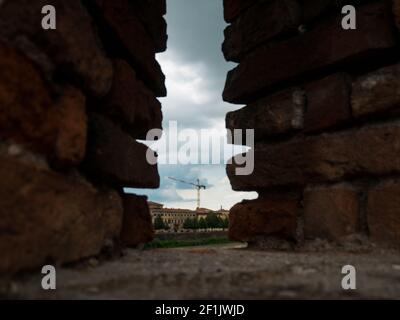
column 197, row 185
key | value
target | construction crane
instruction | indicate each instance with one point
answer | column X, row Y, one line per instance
column 197, row 185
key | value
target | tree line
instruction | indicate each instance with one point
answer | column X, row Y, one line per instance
column 211, row 221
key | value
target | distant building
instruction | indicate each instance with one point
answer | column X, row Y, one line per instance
column 175, row 218
column 224, row 214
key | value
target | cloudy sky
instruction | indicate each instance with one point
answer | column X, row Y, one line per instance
column 195, row 70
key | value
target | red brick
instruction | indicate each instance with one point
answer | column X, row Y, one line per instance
column 70, row 145
column 377, row 92
column 258, row 24
column 73, row 49
column 278, row 114
column 383, row 212
column 47, row 217
column 150, row 13
column 326, row 46
column 368, row 151
column 137, row 227
column 396, row 12
column 328, row 103
column 131, row 104
column 265, row 217
column 233, row 8
column 331, row 213
column 115, row 158
column 128, row 30
column 29, row 114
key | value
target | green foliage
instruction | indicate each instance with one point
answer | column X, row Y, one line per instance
column 159, row 223
column 212, row 220
column 188, row 224
column 195, row 224
column 157, row 243
column 202, row 223
column 225, row 223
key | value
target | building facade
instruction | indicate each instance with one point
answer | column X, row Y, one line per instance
column 174, row 218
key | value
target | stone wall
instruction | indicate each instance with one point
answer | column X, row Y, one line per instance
column 73, row 101
column 324, row 103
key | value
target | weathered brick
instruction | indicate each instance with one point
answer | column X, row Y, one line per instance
column 71, row 122
column 29, row 115
column 115, row 158
column 233, row 8
column 131, row 104
column 396, row 12
column 259, row 24
column 150, row 13
column 137, row 227
column 267, row 217
column 328, row 103
column 371, row 150
column 326, row 46
column 383, row 213
column 376, row 92
column 120, row 19
column 73, row 48
column 278, row 114
column 331, row 213
column 46, row 217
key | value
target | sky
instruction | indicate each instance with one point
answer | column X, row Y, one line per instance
column 195, row 72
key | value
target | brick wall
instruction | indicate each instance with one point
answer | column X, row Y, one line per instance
column 324, row 103
column 73, row 101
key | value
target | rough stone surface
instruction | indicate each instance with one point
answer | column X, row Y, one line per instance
column 137, row 227
column 328, row 103
column 73, row 48
column 232, row 8
column 331, row 213
column 278, row 114
column 267, row 20
column 71, row 135
column 120, row 18
column 376, row 92
column 267, row 217
column 383, row 211
column 131, row 103
column 368, row 151
column 260, row 23
column 31, row 116
column 116, row 158
column 396, row 11
column 46, row 217
column 267, row 68
column 150, row 13
column 212, row 273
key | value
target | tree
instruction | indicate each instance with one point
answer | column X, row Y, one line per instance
column 195, row 224
column 188, row 224
column 212, row 220
column 159, row 223
column 225, row 223
column 202, row 223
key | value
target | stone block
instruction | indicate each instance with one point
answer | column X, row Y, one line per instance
column 74, row 48
column 47, row 218
column 325, row 47
column 331, row 212
column 270, row 216
column 383, row 213
column 131, row 104
column 137, row 227
column 115, row 158
column 371, row 151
